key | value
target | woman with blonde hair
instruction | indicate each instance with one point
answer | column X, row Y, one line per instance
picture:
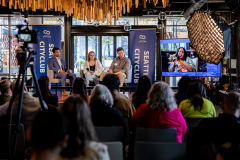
column 92, row 67
column 160, row 111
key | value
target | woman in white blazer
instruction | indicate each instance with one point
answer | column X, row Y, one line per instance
column 92, row 67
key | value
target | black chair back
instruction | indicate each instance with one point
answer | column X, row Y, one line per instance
column 115, row 150
column 159, row 151
column 193, row 122
column 156, row 135
column 110, row 134
column 4, row 145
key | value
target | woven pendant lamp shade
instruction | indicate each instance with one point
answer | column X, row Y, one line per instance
column 209, row 35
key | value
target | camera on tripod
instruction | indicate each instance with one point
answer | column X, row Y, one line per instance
column 26, row 36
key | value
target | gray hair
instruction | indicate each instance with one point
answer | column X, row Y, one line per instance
column 102, row 95
column 161, row 96
column 232, row 101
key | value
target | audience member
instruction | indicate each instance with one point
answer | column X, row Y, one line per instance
column 103, row 114
column 160, row 111
column 30, row 106
column 80, row 89
column 196, row 106
column 6, row 92
column 50, row 99
column 121, row 102
column 182, row 89
column 82, row 143
column 217, row 131
column 141, row 93
column 48, row 135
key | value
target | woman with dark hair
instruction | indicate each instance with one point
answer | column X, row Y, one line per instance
column 197, row 106
column 141, row 94
column 181, row 62
column 182, row 89
column 80, row 89
column 82, row 143
column 92, row 67
column 50, row 99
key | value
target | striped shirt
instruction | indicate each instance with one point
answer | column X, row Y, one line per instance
column 120, row 65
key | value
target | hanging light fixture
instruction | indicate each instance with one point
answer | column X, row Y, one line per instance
column 160, row 24
column 210, row 36
column 162, row 16
column 127, row 26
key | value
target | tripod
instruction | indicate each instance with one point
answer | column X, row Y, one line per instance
column 24, row 64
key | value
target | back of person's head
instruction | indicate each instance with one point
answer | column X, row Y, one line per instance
column 183, row 84
column 231, row 103
column 43, row 82
column 161, row 96
column 79, row 87
column 5, row 86
column 48, row 130
column 111, row 81
column 141, row 93
column 101, row 96
column 144, row 84
column 196, row 92
column 80, row 127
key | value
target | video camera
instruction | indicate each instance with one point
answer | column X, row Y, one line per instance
column 26, row 36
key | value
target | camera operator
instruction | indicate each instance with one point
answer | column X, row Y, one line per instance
column 30, row 106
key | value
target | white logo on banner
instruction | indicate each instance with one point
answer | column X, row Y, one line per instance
column 46, row 34
column 142, row 38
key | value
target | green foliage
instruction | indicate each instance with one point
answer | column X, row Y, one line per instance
column 163, row 49
column 82, row 64
column 174, row 48
column 225, row 60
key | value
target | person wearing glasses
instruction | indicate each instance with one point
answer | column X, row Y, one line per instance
column 119, row 66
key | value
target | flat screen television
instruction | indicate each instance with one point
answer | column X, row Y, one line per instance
column 180, row 59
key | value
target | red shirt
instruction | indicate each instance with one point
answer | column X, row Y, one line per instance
column 148, row 118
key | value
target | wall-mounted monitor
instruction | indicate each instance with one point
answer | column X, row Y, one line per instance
column 180, row 59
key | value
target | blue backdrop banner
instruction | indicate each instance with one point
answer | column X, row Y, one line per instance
column 49, row 37
column 142, row 54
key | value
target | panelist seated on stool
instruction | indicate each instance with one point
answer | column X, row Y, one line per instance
column 119, row 66
column 58, row 65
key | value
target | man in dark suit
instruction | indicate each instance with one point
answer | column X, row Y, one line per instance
column 58, row 65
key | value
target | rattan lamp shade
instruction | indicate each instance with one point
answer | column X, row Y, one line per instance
column 209, row 35
column 99, row 10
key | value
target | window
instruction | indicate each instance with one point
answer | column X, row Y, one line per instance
column 120, row 22
column 94, row 45
column 79, row 53
column 176, row 27
column 147, row 21
column 76, row 22
column 122, row 41
column 107, row 51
